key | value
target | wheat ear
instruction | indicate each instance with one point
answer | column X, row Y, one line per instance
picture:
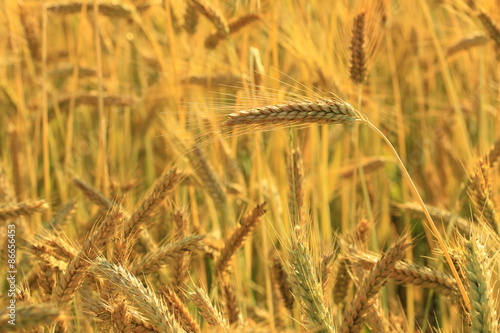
column 148, row 205
column 153, row 261
column 308, row 289
column 358, row 57
column 25, row 208
column 235, row 241
column 356, row 312
column 78, row 267
column 478, row 271
column 144, row 299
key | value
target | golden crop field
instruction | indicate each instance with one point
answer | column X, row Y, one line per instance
column 249, row 166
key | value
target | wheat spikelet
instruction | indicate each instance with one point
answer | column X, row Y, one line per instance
column 78, row 267
column 356, row 312
column 211, row 315
column 181, row 313
column 234, row 25
column 93, row 100
column 148, row 205
column 211, row 12
column 25, row 208
column 322, row 111
column 308, row 290
column 28, row 316
column 483, row 313
column 30, row 30
column 235, row 241
column 357, row 68
column 153, row 261
column 144, row 299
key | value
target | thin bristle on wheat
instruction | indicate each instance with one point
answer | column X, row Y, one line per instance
column 322, row 111
column 358, row 57
column 355, row 314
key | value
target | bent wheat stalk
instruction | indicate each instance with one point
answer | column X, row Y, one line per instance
column 334, row 111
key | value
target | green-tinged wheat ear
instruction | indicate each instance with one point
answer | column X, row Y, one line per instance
column 25, row 208
column 147, row 207
column 478, row 271
column 355, row 314
column 308, row 290
column 143, row 298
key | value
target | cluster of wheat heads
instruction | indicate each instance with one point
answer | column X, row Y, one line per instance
column 171, row 166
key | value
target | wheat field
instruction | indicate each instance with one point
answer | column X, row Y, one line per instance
column 249, row 166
